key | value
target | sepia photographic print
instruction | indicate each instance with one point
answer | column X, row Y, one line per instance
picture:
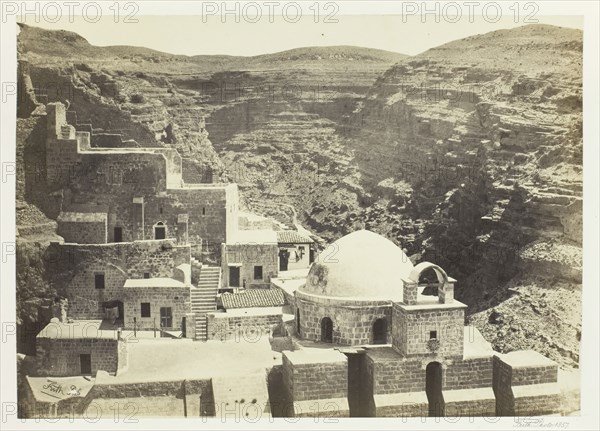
column 299, row 215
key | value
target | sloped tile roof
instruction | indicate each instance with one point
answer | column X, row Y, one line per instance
column 292, row 237
column 253, row 298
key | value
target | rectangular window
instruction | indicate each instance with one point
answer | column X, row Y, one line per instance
column 146, row 275
column 258, row 273
column 145, row 309
column 433, row 335
column 99, row 281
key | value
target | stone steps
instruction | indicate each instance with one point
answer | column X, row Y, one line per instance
column 204, row 296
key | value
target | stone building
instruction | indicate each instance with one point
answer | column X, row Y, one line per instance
column 359, row 331
column 348, row 294
column 79, row 348
column 142, row 189
column 295, row 250
column 249, row 259
column 365, row 291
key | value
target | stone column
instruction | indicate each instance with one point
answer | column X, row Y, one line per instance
column 446, row 291
column 409, row 292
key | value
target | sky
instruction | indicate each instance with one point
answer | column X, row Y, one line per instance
column 194, row 35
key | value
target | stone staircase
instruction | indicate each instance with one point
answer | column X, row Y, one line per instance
column 204, row 297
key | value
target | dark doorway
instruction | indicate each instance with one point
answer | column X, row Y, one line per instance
column 326, row 330
column 114, row 312
column 284, row 256
column 234, row 276
column 380, row 331
column 433, row 389
column 311, row 255
column 118, row 234
column 359, row 400
column 160, row 231
column 298, row 321
column 85, row 361
column 166, row 317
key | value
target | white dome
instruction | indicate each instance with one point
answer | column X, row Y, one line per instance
column 361, row 265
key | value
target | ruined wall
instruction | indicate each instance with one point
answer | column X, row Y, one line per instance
column 412, row 330
column 73, row 268
column 352, row 321
column 178, row 298
column 251, row 255
column 222, row 326
column 60, row 356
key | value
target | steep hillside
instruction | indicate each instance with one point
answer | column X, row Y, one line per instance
column 487, row 131
column 468, row 155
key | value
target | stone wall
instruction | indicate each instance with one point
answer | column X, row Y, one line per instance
column 72, row 269
column 114, row 177
column 352, row 320
column 60, row 356
column 134, row 400
column 83, row 231
column 178, row 298
column 315, row 380
column 468, row 373
column 391, row 373
column 251, row 328
column 413, row 325
column 249, row 256
column 525, row 388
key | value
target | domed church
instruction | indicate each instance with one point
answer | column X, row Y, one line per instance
column 348, row 294
column 399, row 346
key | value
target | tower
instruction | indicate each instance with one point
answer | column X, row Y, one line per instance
column 425, row 325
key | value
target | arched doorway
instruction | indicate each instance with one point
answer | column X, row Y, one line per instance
column 160, row 230
column 433, row 388
column 298, row 321
column 326, row 330
column 380, row 331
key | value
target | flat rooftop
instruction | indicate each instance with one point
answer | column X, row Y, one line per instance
column 78, row 329
column 252, row 311
column 54, row 389
column 290, row 280
column 165, row 359
column 153, row 282
column 256, row 236
column 526, row 358
column 308, row 355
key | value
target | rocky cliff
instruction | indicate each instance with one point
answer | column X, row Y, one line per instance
column 487, row 133
column 468, row 155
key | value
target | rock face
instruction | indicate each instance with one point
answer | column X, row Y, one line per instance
column 488, row 133
column 468, row 155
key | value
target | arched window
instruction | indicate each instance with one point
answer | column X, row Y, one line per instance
column 326, row 330
column 160, row 230
column 380, row 331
